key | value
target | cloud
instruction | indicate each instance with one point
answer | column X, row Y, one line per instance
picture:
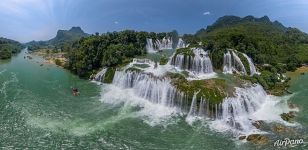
column 116, row 22
column 206, row 13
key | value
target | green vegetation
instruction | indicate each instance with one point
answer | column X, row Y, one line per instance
column 133, row 69
column 109, row 75
column 8, row 48
column 58, row 62
column 274, row 48
column 244, row 61
column 185, row 52
column 112, row 49
column 264, row 41
column 270, row 79
column 163, row 60
column 213, row 90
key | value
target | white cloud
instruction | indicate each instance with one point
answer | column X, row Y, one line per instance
column 206, row 13
column 116, row 22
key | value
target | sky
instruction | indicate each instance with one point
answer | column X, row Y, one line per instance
column 27, row 20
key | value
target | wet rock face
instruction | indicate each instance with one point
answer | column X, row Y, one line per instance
column 258, row 124
column 242, row 137
column 279, row 128
column 289, row 117
column 258, row 139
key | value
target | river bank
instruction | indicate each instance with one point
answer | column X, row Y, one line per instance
column 51, row 57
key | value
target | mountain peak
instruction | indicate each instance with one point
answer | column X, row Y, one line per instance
column 76, row 29
column 232, row 20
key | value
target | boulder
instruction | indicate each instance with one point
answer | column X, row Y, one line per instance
column 243, row 137
column 258, row 124
column 288, row 116
column 258, row 139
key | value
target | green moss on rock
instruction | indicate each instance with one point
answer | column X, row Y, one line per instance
column 213, row 90
column 185, row 52
column 163, row 60
column 109, row 75
column 133, row 69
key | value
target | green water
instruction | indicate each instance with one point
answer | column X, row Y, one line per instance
column 38, row 111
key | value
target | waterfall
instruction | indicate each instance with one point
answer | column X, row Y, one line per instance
column 200, row 63
column 193, row 111
column 150, row 46
column 156, row 90
column 227, row 64
column 238, row 64
column 143, row 61
column 181, row 44
column 251, row 65
column 100, row 75
column 236, row 110
column 179, row 61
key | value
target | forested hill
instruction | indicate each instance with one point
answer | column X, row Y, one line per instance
column 9, row 47
column 64, row 38
column 265, row 41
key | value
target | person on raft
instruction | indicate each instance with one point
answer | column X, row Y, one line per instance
column 75, row 92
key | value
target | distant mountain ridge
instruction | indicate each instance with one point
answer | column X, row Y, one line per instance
column 229, row 21
column 266, row 41
column 75, row 33
column 63, row 37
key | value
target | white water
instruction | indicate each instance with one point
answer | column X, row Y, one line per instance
column 238, row 64
column 100, row 75
column 227, row 64
column 154, row 46
column 251, row 65
column 181, row 44
column 155, row 89
column 150, row 46
column 193, row 111
column 248, row 105
column 234, row 113
column 200, row 64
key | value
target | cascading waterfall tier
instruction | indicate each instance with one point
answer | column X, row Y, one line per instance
column 143, row 61
column 153, row 46
column 200, row 63
column 251, row 65
column 238, row 64
column 100, row 75
column 155, row 89
column 227, row 64
column 181, row 44
column 232, row 62
column 156, row 45
column 236, row 111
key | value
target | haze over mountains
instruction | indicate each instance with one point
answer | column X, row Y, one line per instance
column 62, row 37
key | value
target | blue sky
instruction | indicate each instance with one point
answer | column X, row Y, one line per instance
column 26, row 20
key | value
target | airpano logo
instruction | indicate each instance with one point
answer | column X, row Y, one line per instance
column 289, row 142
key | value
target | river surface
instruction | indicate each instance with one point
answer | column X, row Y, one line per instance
column 38, row 111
